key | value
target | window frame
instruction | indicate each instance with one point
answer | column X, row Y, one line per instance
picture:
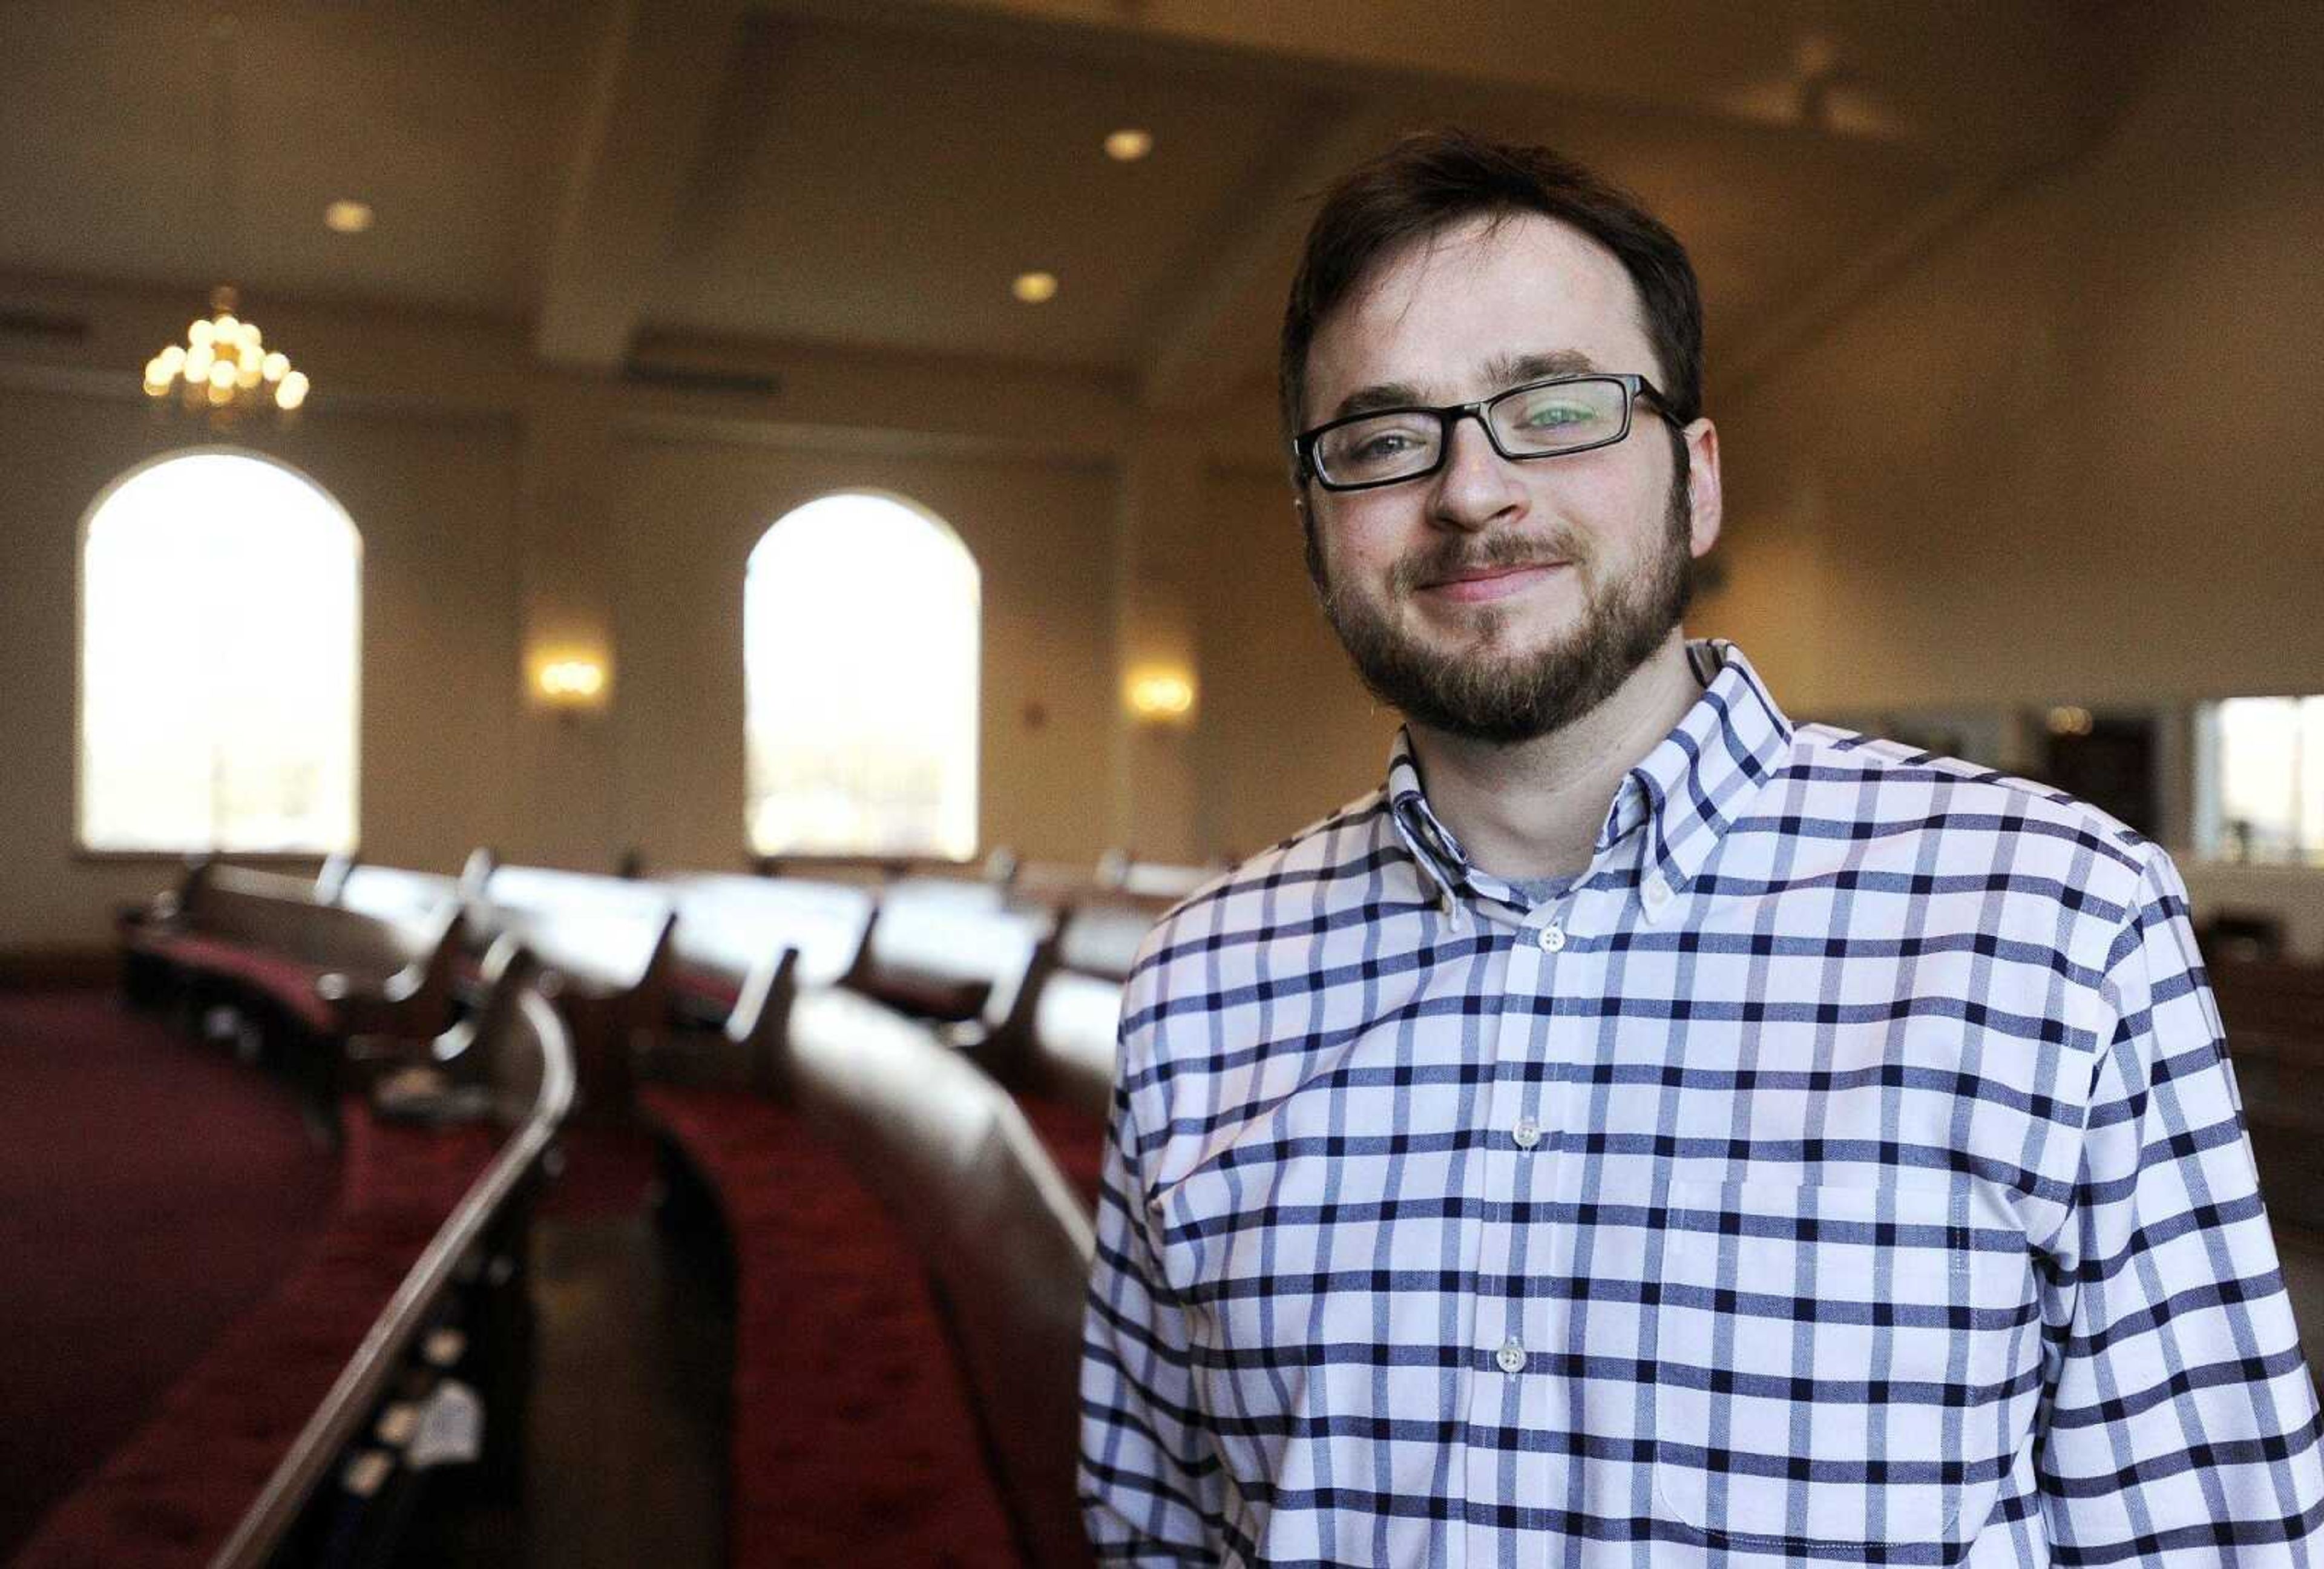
column 82, row 850
column 944, row 528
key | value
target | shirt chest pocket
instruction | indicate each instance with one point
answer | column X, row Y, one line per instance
column 1828, row 1362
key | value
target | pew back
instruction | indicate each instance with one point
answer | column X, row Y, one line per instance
column 394, row 894
column 1008, row 1246
column 1067, row 1052
column 730, row 925
column 953, row 951
column 597, row 936
column 280, row 914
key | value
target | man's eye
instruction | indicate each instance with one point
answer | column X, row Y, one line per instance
column 1555, row 416
column 1383, row 445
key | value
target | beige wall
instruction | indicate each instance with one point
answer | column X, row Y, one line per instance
column 2065, row 457
column 1288, row 732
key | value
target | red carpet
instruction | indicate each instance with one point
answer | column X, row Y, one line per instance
column 608, row 1170
column 151, row 1190
column 853, row 1440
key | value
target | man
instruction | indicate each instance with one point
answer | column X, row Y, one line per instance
column 1648, row 1133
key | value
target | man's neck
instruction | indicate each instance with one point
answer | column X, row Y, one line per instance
column 1534, row 809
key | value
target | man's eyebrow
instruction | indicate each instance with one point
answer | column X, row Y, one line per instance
column 1513, row 370
column 1501, row 370
column 1380, row 395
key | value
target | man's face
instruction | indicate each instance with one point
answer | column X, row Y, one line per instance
column 1496, row 600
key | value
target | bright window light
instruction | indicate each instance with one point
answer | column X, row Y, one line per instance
column 860, row 647
column 220, row 615
column 2267, row 775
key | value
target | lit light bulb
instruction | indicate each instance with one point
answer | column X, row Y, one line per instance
column 1129, row 144
column 1161, row 695
column 222, row 373
column 1035, row 288
column 157, row 380
column 293, row 392
column 199, row 334
column 273, row 366
column 171, row 360
column 198, row 360
column 227, row 326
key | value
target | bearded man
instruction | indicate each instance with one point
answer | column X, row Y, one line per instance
column 1647, row 1131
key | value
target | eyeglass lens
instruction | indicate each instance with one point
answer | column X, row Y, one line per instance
column 1528, row 423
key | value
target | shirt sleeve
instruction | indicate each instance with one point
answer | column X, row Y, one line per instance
column 1146, row 1464
column 2181, row 1425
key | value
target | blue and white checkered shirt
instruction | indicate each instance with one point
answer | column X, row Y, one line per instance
column 1846, row 1169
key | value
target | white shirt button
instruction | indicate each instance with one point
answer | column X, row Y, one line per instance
column 1528, row 1134
column 1552, row 938
column 1654, row 892
column 1511, row 1357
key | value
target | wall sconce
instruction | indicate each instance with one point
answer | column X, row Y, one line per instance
column 571, row 682
column 1160, row 696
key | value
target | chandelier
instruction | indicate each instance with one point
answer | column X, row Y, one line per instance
column 225, row 366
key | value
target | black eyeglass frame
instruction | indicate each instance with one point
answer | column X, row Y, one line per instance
column 1634, row 387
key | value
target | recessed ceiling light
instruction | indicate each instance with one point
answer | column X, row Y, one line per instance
column 348, row 217
column 1129, row 144
column 1033, row 287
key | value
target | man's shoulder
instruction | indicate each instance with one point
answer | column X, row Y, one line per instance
column 1287, row 880
column 1891, row 787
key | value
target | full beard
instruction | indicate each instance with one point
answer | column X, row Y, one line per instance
column 1483, row 692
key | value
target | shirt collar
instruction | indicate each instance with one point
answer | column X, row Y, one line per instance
column 1686, row 792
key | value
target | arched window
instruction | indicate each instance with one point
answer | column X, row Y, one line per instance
column 859, row 653
column 219, row 616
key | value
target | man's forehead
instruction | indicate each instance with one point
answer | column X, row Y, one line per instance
column 1471, row 302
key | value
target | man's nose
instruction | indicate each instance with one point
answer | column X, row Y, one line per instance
column 1477, row 486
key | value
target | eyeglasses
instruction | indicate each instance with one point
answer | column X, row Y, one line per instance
column 1546, row 418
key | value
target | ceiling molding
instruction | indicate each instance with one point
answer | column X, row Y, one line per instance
column 1255, row 229
column 1847, row 69
column 646, row 125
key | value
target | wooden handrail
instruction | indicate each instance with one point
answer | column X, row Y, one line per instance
column 263, row 1528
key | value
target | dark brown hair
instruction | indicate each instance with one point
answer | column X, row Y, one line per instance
column 1435, row 179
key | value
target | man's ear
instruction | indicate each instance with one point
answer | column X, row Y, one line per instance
column 1705, row 493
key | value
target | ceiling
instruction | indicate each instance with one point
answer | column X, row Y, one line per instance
column 636, row 181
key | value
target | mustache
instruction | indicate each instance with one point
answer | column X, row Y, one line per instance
column 1461, row 558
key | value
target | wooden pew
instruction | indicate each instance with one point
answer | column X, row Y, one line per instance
column 316, row 974
column 1007, row 1244
column 742, row 946
column 1118, row 872
column 390, row 892
column 957, row 954
column 1056, row 1051
column 605, row 948
column 2273, row 1011
column 245, row 1463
